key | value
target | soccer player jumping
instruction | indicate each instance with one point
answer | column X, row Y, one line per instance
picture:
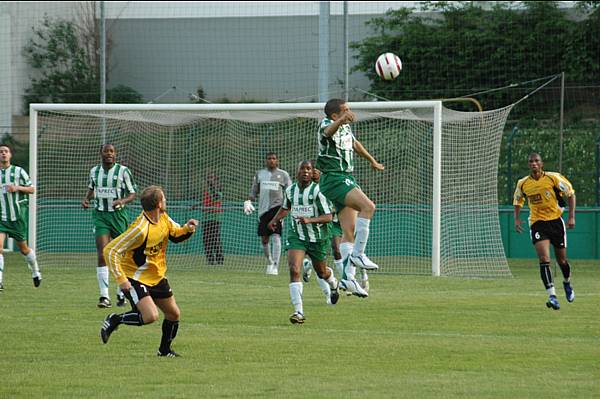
column 337, row 146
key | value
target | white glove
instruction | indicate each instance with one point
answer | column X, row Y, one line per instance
column 248, row 207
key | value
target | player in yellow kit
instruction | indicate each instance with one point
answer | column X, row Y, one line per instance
column 137, row 260
column 544, row 192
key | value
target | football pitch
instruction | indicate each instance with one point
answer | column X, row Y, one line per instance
column 414, row 337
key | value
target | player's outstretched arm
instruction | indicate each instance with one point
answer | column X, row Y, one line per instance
column 179, row 233
column 192, row 224
column 362, row 151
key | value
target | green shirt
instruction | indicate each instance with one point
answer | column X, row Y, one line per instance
column 336, row 153
column 10, row 203
column 307, row 202
column 110, row 185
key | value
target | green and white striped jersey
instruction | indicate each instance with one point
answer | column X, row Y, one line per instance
column 336, row 153
column 110, row 185
column 10, row 203
column 308, row 202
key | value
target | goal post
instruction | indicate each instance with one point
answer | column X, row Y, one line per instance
column 426, row 186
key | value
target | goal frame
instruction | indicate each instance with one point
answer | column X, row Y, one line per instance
column 435, row 105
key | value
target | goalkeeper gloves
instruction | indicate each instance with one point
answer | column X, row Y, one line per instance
column 248, row 207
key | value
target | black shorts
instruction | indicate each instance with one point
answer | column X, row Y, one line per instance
column 263, row 223
column 162, row 290
column 553, row 230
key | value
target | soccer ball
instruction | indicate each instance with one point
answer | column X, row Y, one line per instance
column 388, row 66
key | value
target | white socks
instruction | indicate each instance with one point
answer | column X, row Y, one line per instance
column 365, row 276
column 324, row 287
column 102, row 274
column 327, row 284
column 32, row 263
column 361, row 235
column 276, row 249
column 267, row 252
column 296, row 296
column 273, row 252
column 331, row 280
column 339, row 267
column 349, row 269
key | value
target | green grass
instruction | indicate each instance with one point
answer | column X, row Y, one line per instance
column 415, row 337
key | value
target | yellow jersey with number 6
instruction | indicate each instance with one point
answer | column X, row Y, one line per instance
column 544, row 195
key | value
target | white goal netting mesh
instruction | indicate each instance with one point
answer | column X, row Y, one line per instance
column 178, row 150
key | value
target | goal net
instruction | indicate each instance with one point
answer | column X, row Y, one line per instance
column 437, row 208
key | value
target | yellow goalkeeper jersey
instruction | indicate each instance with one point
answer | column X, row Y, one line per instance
column 140, row 252
column 544, row 196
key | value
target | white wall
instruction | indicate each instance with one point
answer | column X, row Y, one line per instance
column 18, row 18
column 227, row 9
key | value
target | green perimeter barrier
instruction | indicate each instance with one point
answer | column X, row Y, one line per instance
column 63, row 226
column 583, row 242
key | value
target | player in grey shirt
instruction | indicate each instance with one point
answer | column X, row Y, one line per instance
column 268, row 186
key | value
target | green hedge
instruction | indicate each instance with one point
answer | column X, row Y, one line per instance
column 578, row 162
column 463, row 48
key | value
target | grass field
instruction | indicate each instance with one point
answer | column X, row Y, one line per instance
column 415, row 337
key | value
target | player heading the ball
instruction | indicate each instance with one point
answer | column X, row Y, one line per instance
column 337, row 145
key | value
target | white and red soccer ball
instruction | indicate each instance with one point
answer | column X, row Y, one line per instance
column 388, row 66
